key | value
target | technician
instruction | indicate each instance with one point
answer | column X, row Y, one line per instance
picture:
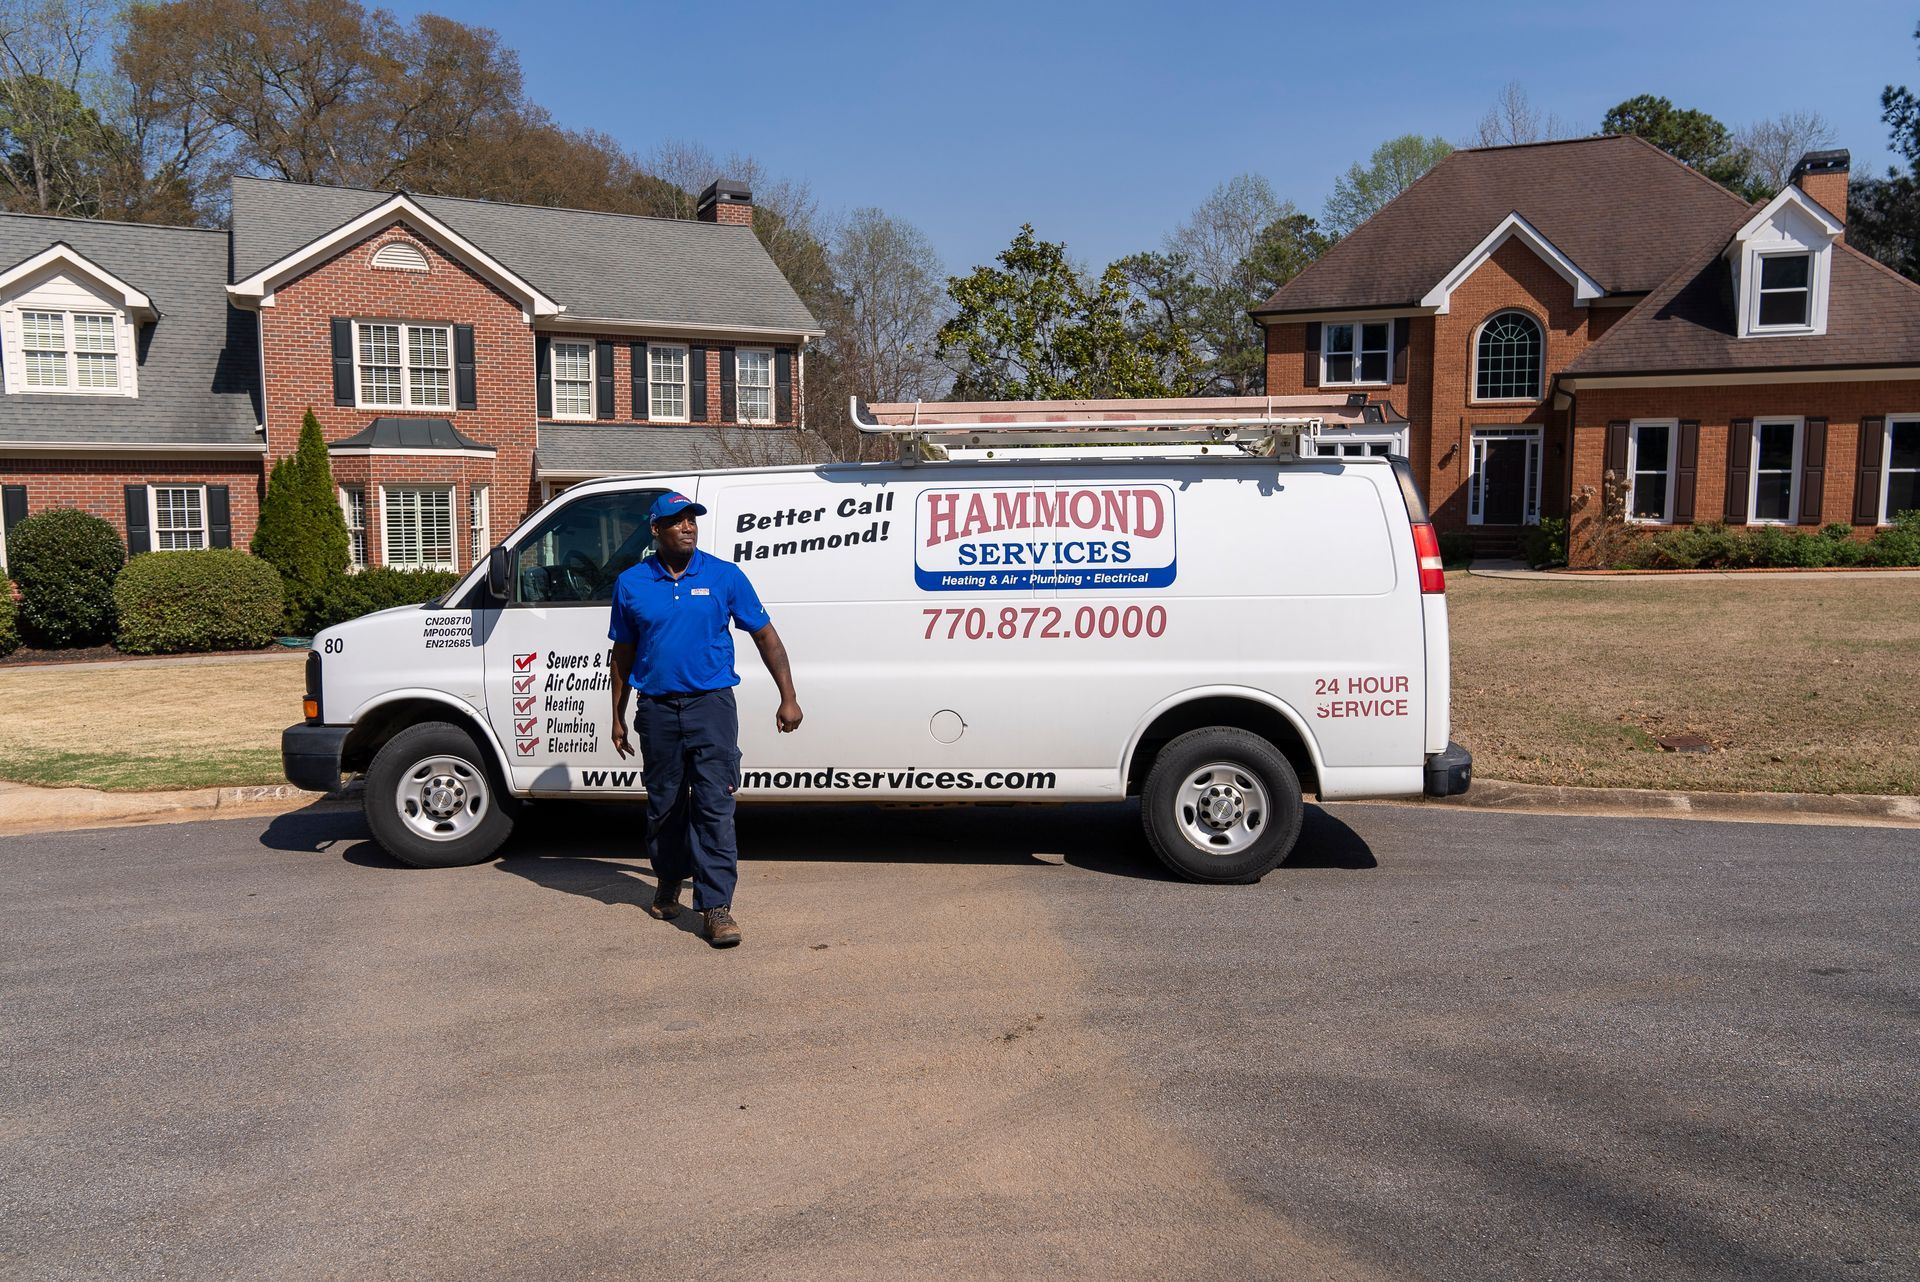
column 670, row 644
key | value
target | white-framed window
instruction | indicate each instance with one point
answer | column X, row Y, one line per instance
column 479, row 517
column 401, row 365
column 417, row 527
column 1651, row 448
column 572, row 372
column 753, row 384
column 1356, row 351
column 1348, row 443
column 666, row 383
column 177, row 517
column 1900, row 468
column 1784, row 293
column 1507, row 358
column 1773, row 490
column 1503, row 478
column 353, row 509
column 69, row 351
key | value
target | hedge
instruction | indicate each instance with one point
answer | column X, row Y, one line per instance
column 349, row 596
column 64, row 561
column 9, row 621
column 1713, row 545
column 219, row 599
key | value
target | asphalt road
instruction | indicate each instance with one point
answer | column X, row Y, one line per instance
column 992, row 1043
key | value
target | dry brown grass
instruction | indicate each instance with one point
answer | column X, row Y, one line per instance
column 147, row 726
column 1802, row 683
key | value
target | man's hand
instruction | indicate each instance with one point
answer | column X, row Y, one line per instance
column 774, row 655
column 619, row 736
column 788, row 717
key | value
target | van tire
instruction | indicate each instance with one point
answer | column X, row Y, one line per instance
column 433, row 800
column 1221, row 805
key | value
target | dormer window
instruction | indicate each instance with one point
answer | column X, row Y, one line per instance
column 67, row 326
column 1786, row 291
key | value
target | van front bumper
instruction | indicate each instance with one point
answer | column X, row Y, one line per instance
column 1449, row 773
column 310, row 755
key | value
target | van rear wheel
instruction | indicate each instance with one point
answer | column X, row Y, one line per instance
column 1221, row 805
column 431, row 800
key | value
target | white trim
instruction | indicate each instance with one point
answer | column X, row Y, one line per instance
column 131, row 299
column 1744, row 378
column 1395, row 439
column 363, row 451
column 1790, row 195
column 1356, row 322
column 1633, row 466
column 453, row 529
column 773, row 381
column 1530, row 482
column 479, row 520
column 1585, row 287
column 153, row 518
column 406, row 366
column 257, row 289
column 346, row 515
column 126, row 363
column 1473, row 362
column 641, row 327
column 593, row 380
column 685, row 384
column 1816, row 291
column 1886, row 460
column 58, row 449
column 1339, row 314
column 1793, row 478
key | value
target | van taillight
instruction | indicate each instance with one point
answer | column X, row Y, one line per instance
column 1426, row 547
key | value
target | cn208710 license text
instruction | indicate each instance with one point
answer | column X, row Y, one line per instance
column 1026, row 622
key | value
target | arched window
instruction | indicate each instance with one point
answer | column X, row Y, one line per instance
column 1507, row 359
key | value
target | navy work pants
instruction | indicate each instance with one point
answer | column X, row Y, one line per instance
column 690, row 761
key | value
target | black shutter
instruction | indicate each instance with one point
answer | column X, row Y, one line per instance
column 1813, row 470
column 1686, row 469
column 342, row 361
column 637, row 357
column 1616, row 464
column 219, row 524
column 542, row 378
column 697, row 384
column 1866, row 475
column 1312, row 372
column 1739, row 463
column 783, row 385
column 727, row 414
column 13, row 509
column 603, row 377
column 1402, row 330
column 137, row 539
column 464, row 393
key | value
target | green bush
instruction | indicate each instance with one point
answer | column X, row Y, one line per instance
column 351, row 595
column 1456, row 550
column 1712, row 545
column 9, row 621
column 301, row 531
column 1546, row 543
column 219, row 599
column 64, row 561
column 1898, row 544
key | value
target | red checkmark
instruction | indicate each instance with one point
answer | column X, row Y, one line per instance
column 523, row 684
column 525, row 661
column 527, row 746
column 526, row 727
column 524, row 706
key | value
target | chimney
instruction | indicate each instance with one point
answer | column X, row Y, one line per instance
column 727, row 201
column 1822, row 175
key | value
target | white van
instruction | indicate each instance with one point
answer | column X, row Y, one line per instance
column 1213, row 633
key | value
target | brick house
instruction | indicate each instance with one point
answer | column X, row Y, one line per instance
column 1549, row 313
column 465, row 359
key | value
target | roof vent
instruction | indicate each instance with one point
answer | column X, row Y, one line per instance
column 400, row 256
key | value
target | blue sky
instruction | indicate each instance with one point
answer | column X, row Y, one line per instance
column 1105, row 124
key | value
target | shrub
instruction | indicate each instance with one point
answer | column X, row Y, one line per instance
column 301, row 532
column 1898, row 544
column 64, row 561
column 351, row 595
column 9, row 620
column 1545, row 543
column 1456, row 550
column 219, row 599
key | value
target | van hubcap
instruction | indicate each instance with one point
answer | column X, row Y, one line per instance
column 442, row 798
column 1222, row 808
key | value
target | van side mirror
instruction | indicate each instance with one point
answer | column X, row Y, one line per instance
column 499, row 573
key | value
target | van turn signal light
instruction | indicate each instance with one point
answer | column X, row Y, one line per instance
column 1426, row 547
column 310, row 708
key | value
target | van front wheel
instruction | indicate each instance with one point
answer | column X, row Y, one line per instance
column 1221, row 804
column 432, row 802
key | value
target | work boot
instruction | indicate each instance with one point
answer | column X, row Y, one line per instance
column 666, row 901
column 722, row 930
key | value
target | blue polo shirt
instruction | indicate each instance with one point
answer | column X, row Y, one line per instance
column 678, row 627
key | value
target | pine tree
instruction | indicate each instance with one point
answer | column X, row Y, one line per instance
column 301, row 532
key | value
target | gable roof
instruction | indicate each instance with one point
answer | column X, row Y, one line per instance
column 199, row 365
column 72, row 262
column 1571, row 193
column 1688, row 324
column 619, row 267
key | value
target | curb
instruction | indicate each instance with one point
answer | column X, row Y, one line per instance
column 1858, row 809
column 25, row 809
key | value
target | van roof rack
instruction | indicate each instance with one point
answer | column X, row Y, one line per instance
column 1240, row 423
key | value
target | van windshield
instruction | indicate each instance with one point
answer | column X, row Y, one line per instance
column 577, row 553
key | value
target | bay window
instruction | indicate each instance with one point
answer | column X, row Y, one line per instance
column 417, row 528
column 353, row 508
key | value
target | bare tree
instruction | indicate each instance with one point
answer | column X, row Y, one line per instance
column 893, row 287
column 1773, row 146
column 1225, row 228
column 1514, row 119
column 60, row 156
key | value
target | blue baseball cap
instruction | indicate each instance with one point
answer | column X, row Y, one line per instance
column 668, row 506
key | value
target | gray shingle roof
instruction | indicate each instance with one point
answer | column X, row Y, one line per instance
column 392, row 433
column 198, row 365
column 593, row 449
column 607, row 266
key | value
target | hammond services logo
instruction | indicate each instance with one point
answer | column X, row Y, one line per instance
column 1066, row 536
